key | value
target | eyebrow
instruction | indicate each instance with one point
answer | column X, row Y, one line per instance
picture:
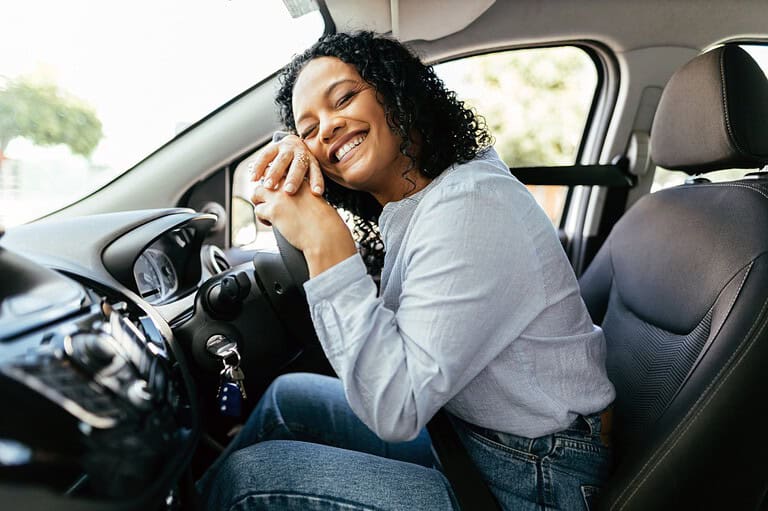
column 327, row 93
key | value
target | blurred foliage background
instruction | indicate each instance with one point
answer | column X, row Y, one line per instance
column 535, row 101
column 46, row 116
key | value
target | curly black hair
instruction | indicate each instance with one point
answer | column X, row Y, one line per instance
column 414, row 99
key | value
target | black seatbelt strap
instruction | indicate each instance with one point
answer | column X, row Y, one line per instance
column 614, row 175
column 468, row 486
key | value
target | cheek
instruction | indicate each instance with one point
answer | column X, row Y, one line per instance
column 314, row 149
column 388, row 143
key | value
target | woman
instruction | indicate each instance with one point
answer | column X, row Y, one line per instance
column 478, row 310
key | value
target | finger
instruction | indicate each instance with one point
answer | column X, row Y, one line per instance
column 263, row 212
column 277, row 170
column 316, row 181
column 299, row 169
column 259, row 193
column 259, row 165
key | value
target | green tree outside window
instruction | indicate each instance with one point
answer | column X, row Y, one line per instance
column 46, row 116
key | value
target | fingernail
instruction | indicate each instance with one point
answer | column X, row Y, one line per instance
column 317, row 190
column 289, row 187
column 268, row 183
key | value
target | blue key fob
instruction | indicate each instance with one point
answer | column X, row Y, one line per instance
column 230, row 399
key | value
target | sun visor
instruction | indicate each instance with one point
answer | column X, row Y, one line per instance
column 407, row 20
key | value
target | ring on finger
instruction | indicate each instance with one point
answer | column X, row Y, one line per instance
column 304, row 159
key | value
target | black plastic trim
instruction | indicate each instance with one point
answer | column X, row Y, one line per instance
column 330, row 25
column 611, row 175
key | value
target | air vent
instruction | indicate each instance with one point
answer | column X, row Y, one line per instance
column 220, row 262
column 215, row 260
column 217, row 210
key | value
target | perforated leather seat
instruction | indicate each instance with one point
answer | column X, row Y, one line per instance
column 680, row 288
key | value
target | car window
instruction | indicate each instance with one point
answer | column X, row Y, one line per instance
column 536, row 103
column 88, row 89
column 663, row 178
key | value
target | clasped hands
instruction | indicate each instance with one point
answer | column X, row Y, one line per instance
column 285, row 171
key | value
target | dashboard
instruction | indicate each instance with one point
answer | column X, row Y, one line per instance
column 105, row 370
column 99, row 402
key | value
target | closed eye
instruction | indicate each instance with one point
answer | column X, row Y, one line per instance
column 308, row 131
column 345, row 98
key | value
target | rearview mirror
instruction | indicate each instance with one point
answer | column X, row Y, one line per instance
column 298, row 8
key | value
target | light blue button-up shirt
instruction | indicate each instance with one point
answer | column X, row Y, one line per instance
column 479, row 312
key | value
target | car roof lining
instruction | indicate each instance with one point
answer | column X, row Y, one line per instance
column 436, row 28
column 407, row 20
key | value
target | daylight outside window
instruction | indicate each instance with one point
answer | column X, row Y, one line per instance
column 89, row 89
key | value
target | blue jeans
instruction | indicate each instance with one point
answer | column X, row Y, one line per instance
column 304, row 448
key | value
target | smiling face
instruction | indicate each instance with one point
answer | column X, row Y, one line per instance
column 344, row 125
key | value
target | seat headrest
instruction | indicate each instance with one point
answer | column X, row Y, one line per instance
column 713, row 114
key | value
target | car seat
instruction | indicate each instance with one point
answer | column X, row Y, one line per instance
column 680, row 288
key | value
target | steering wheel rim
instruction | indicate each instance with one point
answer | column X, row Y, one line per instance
column 294, row 260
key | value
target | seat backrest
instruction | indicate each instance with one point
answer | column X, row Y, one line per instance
column 680, row 288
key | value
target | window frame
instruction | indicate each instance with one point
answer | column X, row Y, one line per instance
column 596, row 123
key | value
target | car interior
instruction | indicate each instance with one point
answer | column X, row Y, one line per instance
column 119, row 311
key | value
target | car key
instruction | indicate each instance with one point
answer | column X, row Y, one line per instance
column 237, row 375
column 231, row 389
column 229, row 398
column 233, row 371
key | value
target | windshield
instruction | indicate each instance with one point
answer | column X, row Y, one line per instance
column 88, row 88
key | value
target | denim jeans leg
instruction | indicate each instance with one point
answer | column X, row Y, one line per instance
column 564, row 470
column 304, row 448
column 279, row 474
column 579, row 464
column 313, row 408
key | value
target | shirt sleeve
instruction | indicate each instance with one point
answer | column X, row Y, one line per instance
column 469, row 276
column 279, row 135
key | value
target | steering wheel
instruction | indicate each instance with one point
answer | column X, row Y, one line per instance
column 294, row 260
column 281, row 278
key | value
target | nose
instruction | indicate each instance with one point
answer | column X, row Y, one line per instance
column 329, row 127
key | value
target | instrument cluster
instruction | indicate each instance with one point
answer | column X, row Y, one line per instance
column 160, row 269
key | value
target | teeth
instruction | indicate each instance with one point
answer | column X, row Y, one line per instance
column 348, row 147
